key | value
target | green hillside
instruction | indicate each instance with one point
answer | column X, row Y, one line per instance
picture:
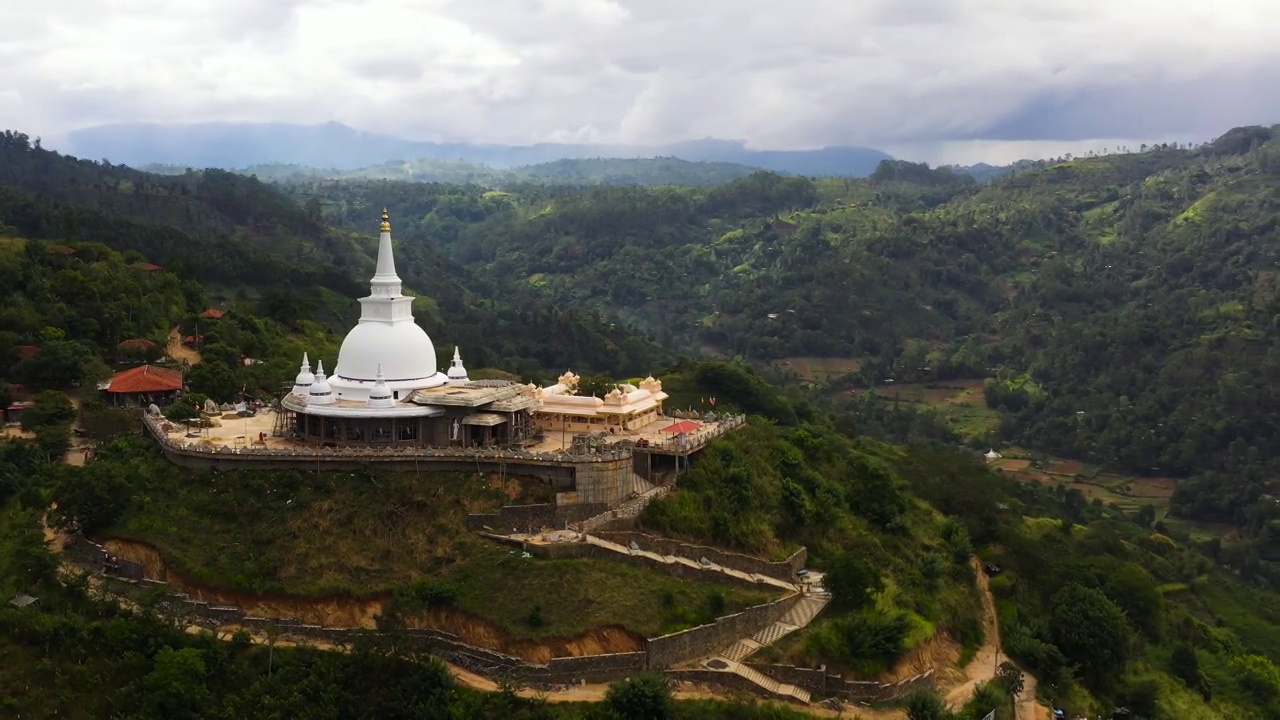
column 1137, row 291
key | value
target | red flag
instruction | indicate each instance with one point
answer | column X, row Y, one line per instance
column 713, row 401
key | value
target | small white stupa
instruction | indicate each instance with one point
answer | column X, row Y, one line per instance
column 302, row 384
column 380, row 395
column 320, row 392
column 457, row 373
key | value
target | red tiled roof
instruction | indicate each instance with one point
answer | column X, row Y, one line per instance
column 213, row 314
column 147, row 266
column 146, row 378
column 135, row 343
column 62, row 250
column 684, row 426
column 27, row 351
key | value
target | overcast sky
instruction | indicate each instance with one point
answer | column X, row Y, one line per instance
column 938, row 80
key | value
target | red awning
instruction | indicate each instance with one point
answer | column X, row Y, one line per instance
column 683, row 426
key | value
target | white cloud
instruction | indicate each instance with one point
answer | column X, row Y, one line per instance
column 803, row 73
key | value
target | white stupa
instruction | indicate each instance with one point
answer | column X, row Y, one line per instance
column 320, row 392
column 302, row 384
column 457, row 373
column 380, row 395
column 385, row 337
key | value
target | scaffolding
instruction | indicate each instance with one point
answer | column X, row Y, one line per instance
column 285, row 424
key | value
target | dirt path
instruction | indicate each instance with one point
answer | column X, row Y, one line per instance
column 983, row 667
column 984, row 664
column 179, row 351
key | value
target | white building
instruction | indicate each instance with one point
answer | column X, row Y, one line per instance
column 388, row 389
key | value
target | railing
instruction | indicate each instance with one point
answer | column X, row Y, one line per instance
column 153, row 425
column 688, row 441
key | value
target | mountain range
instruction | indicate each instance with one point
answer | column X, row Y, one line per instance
column 336, row 146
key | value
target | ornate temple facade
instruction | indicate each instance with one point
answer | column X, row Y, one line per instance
column 387, row 390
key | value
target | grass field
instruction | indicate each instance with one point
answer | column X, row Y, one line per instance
column 330, row 537
column 960, row 402
column 815, row 369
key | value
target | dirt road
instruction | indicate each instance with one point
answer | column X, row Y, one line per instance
column 179, row 351
column 983, row 667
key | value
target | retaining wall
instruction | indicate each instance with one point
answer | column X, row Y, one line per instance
column 782, row 570
column 820, row 684
column 532, row 518
column 694, row 643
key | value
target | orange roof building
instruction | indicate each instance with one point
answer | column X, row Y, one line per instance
column 145, row 379
column 136, row 343
column 213, row 313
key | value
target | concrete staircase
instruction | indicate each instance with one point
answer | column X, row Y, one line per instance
column 764, row 681
column 801, row 614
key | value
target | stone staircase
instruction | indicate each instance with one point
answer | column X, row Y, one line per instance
column 768, row 683
column 801, row 614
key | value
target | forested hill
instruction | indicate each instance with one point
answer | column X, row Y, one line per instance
column 1124, row 307
column 245, row 239
column 211, row 224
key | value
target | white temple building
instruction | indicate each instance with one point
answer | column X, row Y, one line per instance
column 387, row 388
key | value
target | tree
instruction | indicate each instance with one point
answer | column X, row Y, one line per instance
column 926, row 705
column 595, row 385
column 852, row 582
column 1186, row 667
column 61, row 364
column 1009, row 677
column 644, row 697
column 1092, row 633
column 175, row 688
column 51, row 408
column 1146, row 516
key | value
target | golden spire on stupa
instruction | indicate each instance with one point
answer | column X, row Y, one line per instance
column 386, row 221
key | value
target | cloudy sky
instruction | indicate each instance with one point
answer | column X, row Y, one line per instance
column 938, row 80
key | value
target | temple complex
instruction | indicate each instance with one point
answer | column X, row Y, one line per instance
column 387, row 401
column 386, row 389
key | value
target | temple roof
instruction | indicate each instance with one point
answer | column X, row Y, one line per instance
column 144, row 379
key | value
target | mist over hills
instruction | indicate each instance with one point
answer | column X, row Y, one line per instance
column 336, row 146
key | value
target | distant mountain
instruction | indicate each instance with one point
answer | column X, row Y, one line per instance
column 592, row 171
column 333, row 145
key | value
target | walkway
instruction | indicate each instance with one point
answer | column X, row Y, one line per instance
column 697, row 565
column 730, row 660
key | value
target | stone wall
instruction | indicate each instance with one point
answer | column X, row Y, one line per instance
column 720, row 678
column 533, row 518
column 782, row 570
column 568, row 550
column 820, row 684
column 693, row 643
column 491, row 663
column 560, row 469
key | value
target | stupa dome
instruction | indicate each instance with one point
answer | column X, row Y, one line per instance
column 386, row 334
column 403, row 349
